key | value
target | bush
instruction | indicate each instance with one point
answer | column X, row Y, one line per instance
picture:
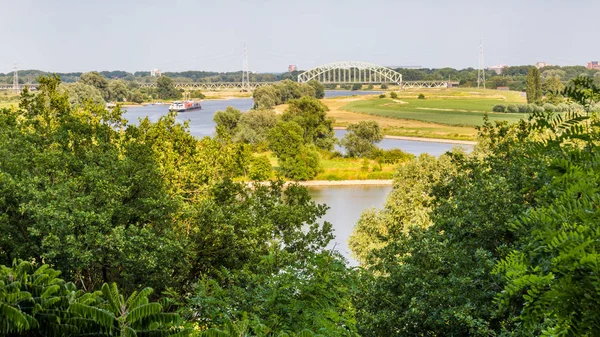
column 382, row 96
column 365, row 165
column 563, row 107
column 499, row 108
column 524, row 108
column 392, row 156
column 393, row 95
column 549, row 107
column 535, row 108
column 356, row 86
column 512, row 108
column 421, row 96
column 260, row 168
column 384, row 86
column 370, row 87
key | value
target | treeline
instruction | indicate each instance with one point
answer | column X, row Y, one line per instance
column 30, row 76
column 503, row 242
column 512, row 77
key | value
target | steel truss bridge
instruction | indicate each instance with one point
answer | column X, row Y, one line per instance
column 213, row 85
column 352, row 72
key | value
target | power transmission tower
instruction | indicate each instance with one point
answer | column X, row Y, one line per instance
column 16, row 81
column 481, row 70
column 245, row 72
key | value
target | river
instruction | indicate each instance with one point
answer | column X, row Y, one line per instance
column 346, row 202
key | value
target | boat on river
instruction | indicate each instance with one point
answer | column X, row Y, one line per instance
column 181, row 106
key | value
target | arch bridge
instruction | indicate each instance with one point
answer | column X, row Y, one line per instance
column 350, row 72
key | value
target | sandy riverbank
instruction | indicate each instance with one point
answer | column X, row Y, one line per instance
column 317, row 183
column 422, row 139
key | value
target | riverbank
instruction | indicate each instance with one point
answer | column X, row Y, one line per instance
column 323, row 183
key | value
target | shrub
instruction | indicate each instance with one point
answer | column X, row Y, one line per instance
column 562, row 107
column 370, row 87
column 384, row 86
column 499, row 108
column 391, row 156
column 393, row 95
column 421, row 96
column 523, row 108
column 512, row 108
column 365, row 165
column 260, row 168
column 549, row 107
column 356, row 86
column 535, row 108
column 382, row 96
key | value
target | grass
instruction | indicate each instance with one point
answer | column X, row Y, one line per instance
column 444, row 114
column 444, row 111
column 341, row 168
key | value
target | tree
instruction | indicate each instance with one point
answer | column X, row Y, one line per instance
column 296, row 160
column 166, row 88
column 254, row 125
column 227, row 122
column 260, row 168
column 361, row 137
column 319, row 88
column 118, row 90
column 311, row 115
column 534, row 86
column 80, row 93
column 356, row 86
column 98, row 81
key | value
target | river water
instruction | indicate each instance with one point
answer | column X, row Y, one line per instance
column 346, row 202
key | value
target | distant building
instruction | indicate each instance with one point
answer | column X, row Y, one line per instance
column 155, row 73
column 593, row 65
column 541, row 64
column 498, row 69
column 291, row 67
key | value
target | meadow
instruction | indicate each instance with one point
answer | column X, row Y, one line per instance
column 444, row 113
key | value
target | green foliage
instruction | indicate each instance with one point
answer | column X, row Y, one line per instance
column 227, row 122
column 319, row 88
column 391, row 156
column 534, row 86
column 361, row 137
column 118, row 91
column 421, row 96
column 165, row 88
column 499, row 108
column 311, row 294
column 356, row 86
column 260, row 168
column 97, row 81
column 80, row 94
column 384, row 86
column 393, row 95
column 512, row 108
column 253, row 127
column 268, row 96
column 35, row 302
column 311, row 115
column 382, row 96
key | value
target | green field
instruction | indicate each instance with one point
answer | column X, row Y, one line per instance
column 442, row 110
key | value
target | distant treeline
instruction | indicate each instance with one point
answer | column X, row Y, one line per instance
column 28, row 76
column 511, row 77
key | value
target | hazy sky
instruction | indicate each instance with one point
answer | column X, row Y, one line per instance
column 83, row 35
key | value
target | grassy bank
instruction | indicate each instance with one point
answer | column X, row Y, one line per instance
column 340, row 168
column 444, row 113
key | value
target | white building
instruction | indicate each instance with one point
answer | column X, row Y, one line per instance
column 155, row 73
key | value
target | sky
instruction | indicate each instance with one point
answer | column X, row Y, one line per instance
column 137, row 35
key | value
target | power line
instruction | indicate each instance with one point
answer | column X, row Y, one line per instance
column 245, row 71
column 481, row 70
column 16, row 81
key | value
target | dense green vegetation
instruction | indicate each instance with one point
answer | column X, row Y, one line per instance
column 152, row 206
column 500, row 242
